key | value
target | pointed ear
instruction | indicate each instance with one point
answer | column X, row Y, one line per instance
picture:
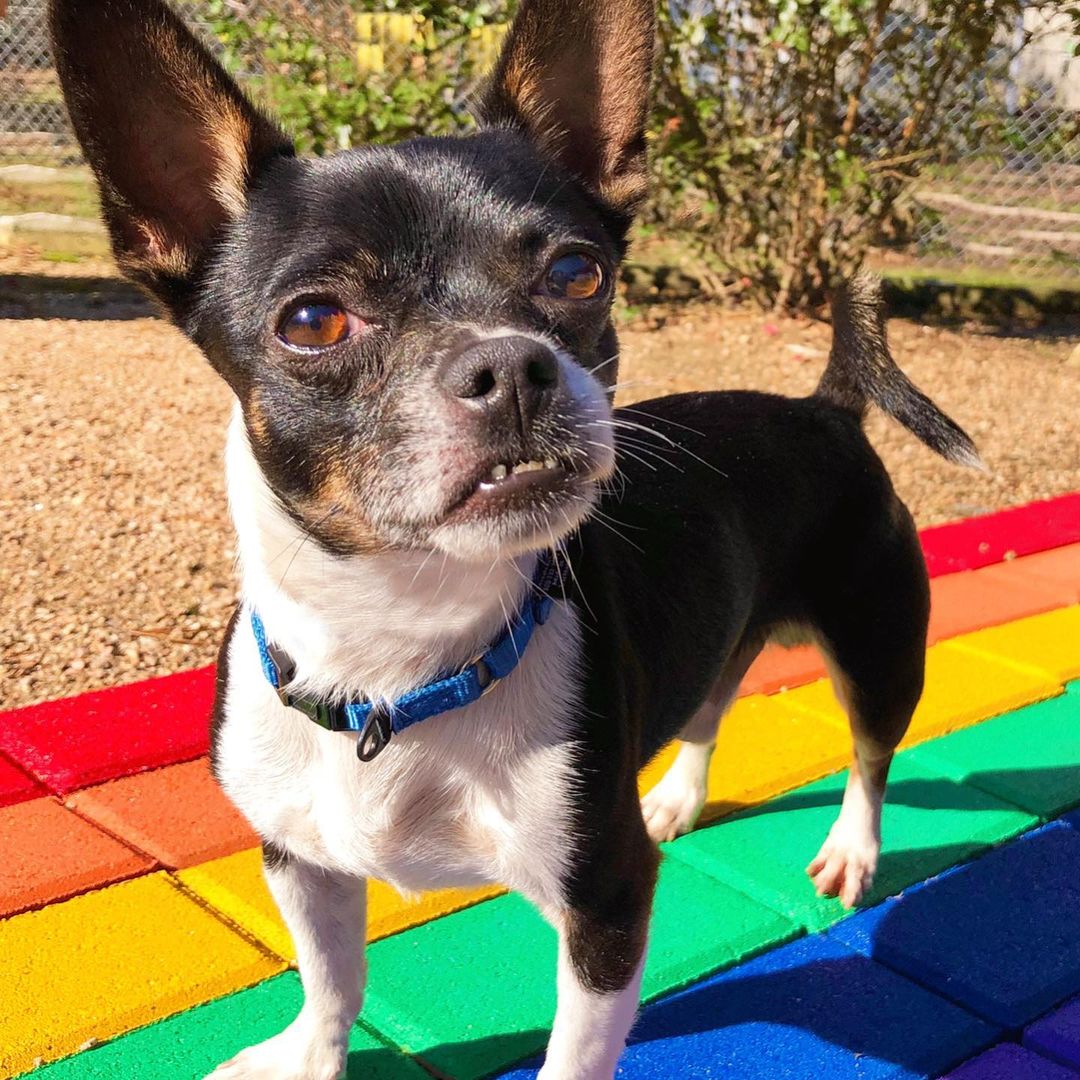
column 575, row 75
column 172, row 140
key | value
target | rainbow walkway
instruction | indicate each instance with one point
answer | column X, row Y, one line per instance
column 137, row 939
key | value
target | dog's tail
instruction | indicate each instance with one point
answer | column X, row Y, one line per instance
column 861, row 370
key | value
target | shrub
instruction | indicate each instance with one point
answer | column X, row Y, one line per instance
column 784, row 130
column 787, row 129
column 340, row 76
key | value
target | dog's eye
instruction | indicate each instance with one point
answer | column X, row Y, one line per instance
column 574, row 276
column 317, row 325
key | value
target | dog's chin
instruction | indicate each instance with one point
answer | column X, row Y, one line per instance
column 484, row 531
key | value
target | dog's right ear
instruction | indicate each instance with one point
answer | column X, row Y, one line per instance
column 173, row 142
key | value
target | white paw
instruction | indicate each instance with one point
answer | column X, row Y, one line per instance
column 674, row 805
column 846, row 864
column 292, row 1055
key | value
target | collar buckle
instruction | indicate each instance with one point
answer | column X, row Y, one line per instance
column 376, row 734
column 324, row 715
column 284, row 672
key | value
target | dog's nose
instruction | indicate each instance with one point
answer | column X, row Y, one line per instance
column 512, row 374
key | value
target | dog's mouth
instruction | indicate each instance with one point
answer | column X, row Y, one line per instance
column 514, row 486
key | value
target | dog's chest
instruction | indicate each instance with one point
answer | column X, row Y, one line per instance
column 479, row 794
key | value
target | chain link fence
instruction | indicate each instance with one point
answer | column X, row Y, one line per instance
column 1008, row 199
column 1009, row 196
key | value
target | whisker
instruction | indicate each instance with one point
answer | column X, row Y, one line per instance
column 663, row 420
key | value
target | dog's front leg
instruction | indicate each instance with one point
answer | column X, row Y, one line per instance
column 591, row 1024
column 325, row 913
column 602, row 945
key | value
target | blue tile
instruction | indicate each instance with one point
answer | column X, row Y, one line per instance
column 1010, row 1062
column 808, row 1010
column 998, row 936
column 1057, row 1036
column 1073, row 819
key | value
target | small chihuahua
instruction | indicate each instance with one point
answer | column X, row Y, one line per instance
column 476, row 599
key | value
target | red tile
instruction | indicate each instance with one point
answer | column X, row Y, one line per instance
column 50, row 854
column 974, row 599
column 1022, row 530
column 15, row 785
column 177, row 814
column 73, row 742
column 777, row 668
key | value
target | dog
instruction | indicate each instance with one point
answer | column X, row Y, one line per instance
column 476, row 599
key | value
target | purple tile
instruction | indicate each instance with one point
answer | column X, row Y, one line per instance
column 1057, row 1036
column 1010, row 1062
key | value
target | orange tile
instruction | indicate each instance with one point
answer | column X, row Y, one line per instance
column 777, row 668
column 49, row 854
column 177, row 814
column 1058, row 568
column 973, row 599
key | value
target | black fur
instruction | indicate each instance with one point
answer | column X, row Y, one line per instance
column 221, row 683
column 751, row 511
column 274, row 857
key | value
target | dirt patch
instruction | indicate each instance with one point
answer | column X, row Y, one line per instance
column 116, row 552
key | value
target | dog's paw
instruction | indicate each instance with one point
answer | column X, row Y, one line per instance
column 674, row 805
column 845, row 866
column 287, row 1056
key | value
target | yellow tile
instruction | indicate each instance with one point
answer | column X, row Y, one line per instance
column 650, row 776
column 962, row 688
column 234, row 886
column 764, row 747
column 109, row 961
column 1048, row 643
column 389, row 912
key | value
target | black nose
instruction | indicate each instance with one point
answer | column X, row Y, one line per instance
column 515, row 375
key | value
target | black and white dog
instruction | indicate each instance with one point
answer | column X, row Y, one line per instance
column 420, row 343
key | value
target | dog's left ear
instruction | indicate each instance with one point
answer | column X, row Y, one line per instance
column 575, row 75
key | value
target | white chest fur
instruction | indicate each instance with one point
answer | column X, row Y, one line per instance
column 477, row 794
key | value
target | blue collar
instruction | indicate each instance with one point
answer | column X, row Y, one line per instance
column 377, row 721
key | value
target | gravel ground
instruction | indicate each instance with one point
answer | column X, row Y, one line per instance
column 116, row 552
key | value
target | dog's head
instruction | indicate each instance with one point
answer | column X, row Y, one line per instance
column 419, row 335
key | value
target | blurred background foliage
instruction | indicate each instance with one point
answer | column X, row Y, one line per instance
column 785, row 132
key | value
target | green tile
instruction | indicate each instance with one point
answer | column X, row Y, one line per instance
column 700, row 925
column 469, row 992
column 1030, row 757
column 191, row 1044
column 475, row 991
column 929, row 823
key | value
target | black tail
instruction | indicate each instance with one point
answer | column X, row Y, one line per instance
column 861, row 370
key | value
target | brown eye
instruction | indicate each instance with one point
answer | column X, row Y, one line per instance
column 575, row 276
column 312, row 325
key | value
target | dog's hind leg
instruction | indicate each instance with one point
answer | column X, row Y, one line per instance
column 673, row 806
column 326, row 914
column 874, row 638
